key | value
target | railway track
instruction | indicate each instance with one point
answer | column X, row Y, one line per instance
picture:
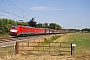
column 4, row 42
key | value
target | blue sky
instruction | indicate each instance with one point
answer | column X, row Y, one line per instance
column 67, row 13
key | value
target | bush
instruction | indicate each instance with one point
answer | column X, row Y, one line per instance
column 52, row 38
column 45, row 40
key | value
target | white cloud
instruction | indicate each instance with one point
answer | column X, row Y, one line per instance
column 45, row 8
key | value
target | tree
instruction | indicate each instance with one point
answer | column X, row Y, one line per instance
column 32, row 22
column 39, row 25
column 52, row 25
column 25, row 23
column 86, row 29
column 4, row 25
column 46, row 25
column 58, row 27
column 55, row 26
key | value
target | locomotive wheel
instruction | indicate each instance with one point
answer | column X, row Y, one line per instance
column 16, row 36
column 26, row 35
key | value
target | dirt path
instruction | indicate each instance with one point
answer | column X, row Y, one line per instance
column 47, row 57
column 61, row 39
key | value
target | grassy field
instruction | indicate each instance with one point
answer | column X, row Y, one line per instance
column 82, row 50
column 82, row 41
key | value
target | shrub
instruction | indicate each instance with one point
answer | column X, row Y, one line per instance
column 52, row 38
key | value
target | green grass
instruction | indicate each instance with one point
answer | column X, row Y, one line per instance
column 6, row 51
column 52, row 38
column 82, row 41
column 4, row 35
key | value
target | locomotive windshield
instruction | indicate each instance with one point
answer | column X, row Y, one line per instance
column 14, row 26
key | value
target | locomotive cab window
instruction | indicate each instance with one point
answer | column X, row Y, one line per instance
column 14, row 26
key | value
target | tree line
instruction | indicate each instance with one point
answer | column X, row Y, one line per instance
column 84, row 30
column 55, row 26
column 5, row 24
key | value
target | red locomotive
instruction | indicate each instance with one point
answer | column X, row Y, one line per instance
column 17, row 30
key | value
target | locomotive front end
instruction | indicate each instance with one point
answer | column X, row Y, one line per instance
column 14, row 30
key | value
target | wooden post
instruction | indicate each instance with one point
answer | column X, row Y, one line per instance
column 71, row 48
column 60, row 47
column 60, row 44
column 28, row 47
column 49, row 52
column 22, row 46
column 38, row 43
column 49, row 47
column 17, row 48
column 49, row 44
column 43, row 48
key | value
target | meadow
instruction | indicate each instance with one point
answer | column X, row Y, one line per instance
column 82, row 49
column 82, row 41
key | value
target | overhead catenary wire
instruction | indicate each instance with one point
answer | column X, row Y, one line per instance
column 12, row 14
column 19, row 9
column 9, row 17
column 23, row 11
column 9, row 10
column 11, row 5
column 16, row 7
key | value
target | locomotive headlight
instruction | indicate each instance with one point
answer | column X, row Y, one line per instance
column 13, row 30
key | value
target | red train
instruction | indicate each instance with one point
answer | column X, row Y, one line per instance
column 17, row 30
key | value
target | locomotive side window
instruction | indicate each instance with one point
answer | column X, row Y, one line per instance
column 14, row 26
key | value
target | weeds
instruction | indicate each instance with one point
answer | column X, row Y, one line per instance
column 4, row 35
column 52, row 38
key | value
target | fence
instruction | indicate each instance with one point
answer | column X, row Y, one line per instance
column 52, row 48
